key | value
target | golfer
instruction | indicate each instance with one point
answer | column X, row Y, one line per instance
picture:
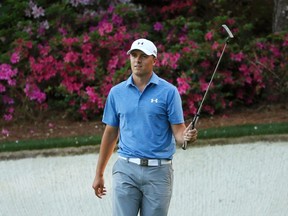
column 144, row 115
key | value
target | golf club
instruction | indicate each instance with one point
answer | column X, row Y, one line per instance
column 196, row 117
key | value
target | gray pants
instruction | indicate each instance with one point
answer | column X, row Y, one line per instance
column 143, row 189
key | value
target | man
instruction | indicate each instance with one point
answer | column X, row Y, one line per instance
column 145, row 114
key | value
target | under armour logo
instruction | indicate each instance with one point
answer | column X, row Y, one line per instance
column 154, row 100
column 140, row 43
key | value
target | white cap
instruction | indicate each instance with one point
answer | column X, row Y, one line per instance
column 145, row 46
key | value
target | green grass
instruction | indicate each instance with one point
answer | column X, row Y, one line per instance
column 49, row 143
column 244, row 130
column 211, row 133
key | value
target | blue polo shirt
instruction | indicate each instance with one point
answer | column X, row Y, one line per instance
column 144, row 118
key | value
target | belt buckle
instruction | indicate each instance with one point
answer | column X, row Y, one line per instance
column 143, row 162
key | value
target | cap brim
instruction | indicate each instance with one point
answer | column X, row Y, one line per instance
column 143, row 50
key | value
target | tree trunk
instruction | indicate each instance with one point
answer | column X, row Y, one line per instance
column 280, row 16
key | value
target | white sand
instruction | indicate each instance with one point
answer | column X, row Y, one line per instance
column 230, row 180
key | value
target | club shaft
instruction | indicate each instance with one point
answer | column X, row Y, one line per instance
column 196, row 117
column 219, row 60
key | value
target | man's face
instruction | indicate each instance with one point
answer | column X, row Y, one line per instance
column 141, row 64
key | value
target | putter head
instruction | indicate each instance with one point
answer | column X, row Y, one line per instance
column 230, row 35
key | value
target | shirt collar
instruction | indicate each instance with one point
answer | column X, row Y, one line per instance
column 154, row 79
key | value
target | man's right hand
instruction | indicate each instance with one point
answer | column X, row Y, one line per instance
column 98, row 186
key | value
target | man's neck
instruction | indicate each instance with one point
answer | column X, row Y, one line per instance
column 141, row 81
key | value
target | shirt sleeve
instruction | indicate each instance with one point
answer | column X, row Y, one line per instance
column 110, row 116
column 175, row 111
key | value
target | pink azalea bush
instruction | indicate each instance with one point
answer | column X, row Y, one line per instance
column 71, row 62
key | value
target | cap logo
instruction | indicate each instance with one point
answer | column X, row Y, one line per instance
column 145, row 46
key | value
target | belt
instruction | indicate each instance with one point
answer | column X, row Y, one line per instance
column 147, row 162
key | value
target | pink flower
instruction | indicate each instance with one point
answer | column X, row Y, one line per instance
column 174, row 60
column 89, row 72
column 285, row 43
column 240, row 94
column 44, row 49
column 100, row 103
column 27, row 12
column 33, row 93
column 10, row 110
column 182, row 39
column 12, row 82
column 107, row 85
column 42, row 27
column 29, row 44
column 260, row 45
column 75, row 3
column 170, row 59
column 7, row 100
column 37, row 11
column 228, row 78
column 191, row 106
column 197, row 97
column 205, row 64
column 84, row 106
column 230, row 22
column 45, row 68
column 7, row 117
column 117, row 20
column 209, row 36
column 5, row 132
column 69, row 41
column 86, row 47
column 269, row 63
column 104, row 27
column 183, row 85
column 275, row 50
column 213, row 96
column 62, row 31
column 215, row 45
column 2, row 88
column 44, row 24
column 89, row 59
column 244, row 68
column 93, row 97
column 28, row 29
column 112, row 64
column 209, row 109
column 86, row 38
column 203, row 85
column 248, row 79
column 158, row 26
column 7, row 73
column 72, row 103
column 71, row 84
column 15, row 57
column 238, row 57
column 71, row 57
column 186, row 49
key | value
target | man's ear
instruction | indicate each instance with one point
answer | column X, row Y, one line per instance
column 154, row 61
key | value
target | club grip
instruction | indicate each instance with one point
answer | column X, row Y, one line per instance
column 195, row 119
